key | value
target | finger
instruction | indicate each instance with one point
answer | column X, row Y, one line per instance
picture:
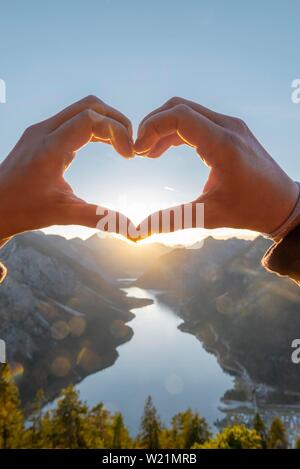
column 180, row 217
column 82, row 213
column 193, row 129
column 164, row 144
column 90, row 102
column 88, row 125
column 215, row 117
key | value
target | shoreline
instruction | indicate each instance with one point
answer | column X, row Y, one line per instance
column 261, row 393
column 108, row 359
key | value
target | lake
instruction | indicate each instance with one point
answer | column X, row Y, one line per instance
column 161, row 361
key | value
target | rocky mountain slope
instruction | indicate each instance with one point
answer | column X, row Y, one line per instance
column 60, row 317
column 246, row 315
column 185, row 268
column 62, row 313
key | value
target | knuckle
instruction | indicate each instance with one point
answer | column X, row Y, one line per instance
column 182, row 108
column 91, row 100
column 31, row 130
column 238, row 124
column 174, row 101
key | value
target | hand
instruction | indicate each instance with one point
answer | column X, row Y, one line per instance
column 33, row 192
column 246, row 188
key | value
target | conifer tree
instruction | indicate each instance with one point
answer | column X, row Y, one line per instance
column 120, row 435
column 297, row 443
column 34, row 434
column 100, row 421
column 187, row 428
column 277, row 437
column 151, row 427
column 70, row 426
column 11, row 417
column 259, row 426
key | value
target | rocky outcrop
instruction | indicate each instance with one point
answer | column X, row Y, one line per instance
column 254, row 315
column 60, row 318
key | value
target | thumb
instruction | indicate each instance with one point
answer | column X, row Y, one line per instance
column 79, row 212
column 180, row 217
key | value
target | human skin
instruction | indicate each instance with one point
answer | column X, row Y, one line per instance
column 33, row 191
column 246, row 188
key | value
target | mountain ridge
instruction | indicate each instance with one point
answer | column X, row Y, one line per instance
column 60, row 317
column 236, row 303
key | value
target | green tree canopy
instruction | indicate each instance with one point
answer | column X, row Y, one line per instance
column 11, row 417
column 187, row 429
column 297, row 443
column 70, row 424
column 259, row 426
column 149, row 435
column 235, row 437
column 277, row 437
column 120, row 434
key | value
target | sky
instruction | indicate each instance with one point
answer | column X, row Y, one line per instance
column 239, row 58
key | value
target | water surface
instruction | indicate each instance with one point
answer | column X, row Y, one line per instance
column 160, row 361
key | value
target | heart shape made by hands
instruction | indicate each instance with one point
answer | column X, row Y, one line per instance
column 242, row 174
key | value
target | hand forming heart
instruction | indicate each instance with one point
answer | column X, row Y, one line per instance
column 33, row 192
column 245, row 188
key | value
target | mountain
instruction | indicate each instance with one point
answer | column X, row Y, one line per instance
column 121, row 259
column 185, row 268
column 245, row 315
column 62, row 313
column 59, row 316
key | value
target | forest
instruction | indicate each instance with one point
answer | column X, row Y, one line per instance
column 71, row 424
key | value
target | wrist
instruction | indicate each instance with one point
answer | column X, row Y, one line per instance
column 290, row 220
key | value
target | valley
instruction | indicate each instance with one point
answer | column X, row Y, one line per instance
column 65, row 319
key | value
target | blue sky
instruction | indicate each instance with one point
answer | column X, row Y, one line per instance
column 235, row 57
